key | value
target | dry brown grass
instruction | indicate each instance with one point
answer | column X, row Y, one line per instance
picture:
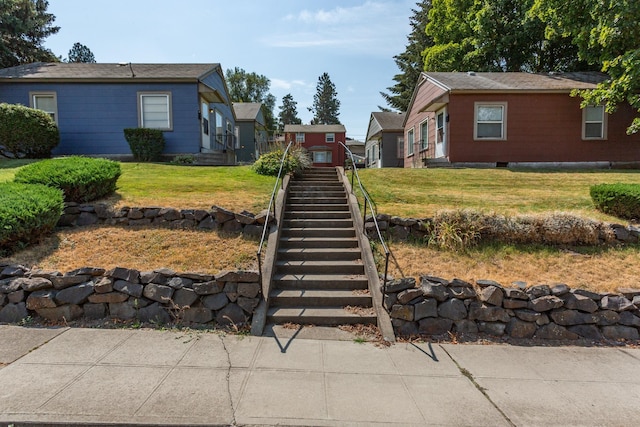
column 601, row 271
column 139, row 248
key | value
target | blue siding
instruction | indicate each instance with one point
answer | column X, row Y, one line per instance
column 215, row 81
column 92, row 116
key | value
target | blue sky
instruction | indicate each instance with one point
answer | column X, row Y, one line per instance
column 292, row 42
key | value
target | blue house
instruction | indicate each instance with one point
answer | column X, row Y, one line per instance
column 253, row 134
column 93, row 103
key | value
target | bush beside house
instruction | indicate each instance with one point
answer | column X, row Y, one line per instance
column 146, row 145
column 26, row 132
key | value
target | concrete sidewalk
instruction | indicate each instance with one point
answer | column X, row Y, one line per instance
column 123, row 376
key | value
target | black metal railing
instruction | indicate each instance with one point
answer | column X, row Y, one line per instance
column 267, row 222
column 227, row 140
column 368, row 202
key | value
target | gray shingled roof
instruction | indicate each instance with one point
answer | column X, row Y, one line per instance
column 314, row 128
column 389, row 120
column 125, row 71
column 246, row 110
column 517, row 81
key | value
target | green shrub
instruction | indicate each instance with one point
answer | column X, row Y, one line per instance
column 81, row 179
column 269, row 164
column 621, row 200
column 183, row 159
column 27, row 212
column 146, row 145
column 26, row 132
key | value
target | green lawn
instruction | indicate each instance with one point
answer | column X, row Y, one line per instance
column 422, row 192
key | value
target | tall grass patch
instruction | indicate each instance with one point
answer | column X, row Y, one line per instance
column 81, row 179
column 27, row 212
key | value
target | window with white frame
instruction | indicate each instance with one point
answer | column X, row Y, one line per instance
column 424, row 135
column 45, row 101
column 490, row 121
column 410, row 139
column 155, row 110
column 594, row 122
column 330, row 137
column 400, row 142
column 322, row 157
column 299, row 136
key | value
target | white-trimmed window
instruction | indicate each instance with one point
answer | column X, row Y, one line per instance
column 594, row 121
column 155, row 110
column 410, row 139
column 424, row 135
column 330, row 137
column 322, row 157
column 400, row 144
column 299, row 136
column 490, row 120
column 45, row 101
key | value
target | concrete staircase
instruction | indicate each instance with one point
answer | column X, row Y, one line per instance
column 319, row 275
column 215, row 158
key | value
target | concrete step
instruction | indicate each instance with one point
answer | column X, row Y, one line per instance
column 319, row 254
column 318, row 242
column 345, row 214
column 317, row 207
column 316, row 193
column 320, row 281
column 320, row 267
column 317, row 200
column 318, row 223
column 318, row 316
column 319, row 298
column 317, row 232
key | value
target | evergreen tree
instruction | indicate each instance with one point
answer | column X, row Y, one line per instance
column 252, row 87
column 326, row 105
column 410, row 62
column 24, row 24
column 81, row 53
column 288, row 112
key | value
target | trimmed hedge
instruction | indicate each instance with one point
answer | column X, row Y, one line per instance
column 621, row 200
column 27, row 212
column 26, row 132
column 81, row 179
column 146, row 145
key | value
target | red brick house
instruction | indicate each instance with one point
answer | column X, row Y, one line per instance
column 321, row 141
column 506, row 119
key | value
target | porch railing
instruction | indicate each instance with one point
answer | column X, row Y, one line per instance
column 368, row 202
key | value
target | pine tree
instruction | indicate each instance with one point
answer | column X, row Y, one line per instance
column 24, row 24
column 326, row 105
column 410, row 61
column 288, row 112
column 81, row 53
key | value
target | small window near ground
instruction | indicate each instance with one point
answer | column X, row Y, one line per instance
column 300, row 137
column 410, row 139
column 593, row 118
column 330, row 137
column 47, row 102
column 155, row 110
column 490, row 121
column 322, row 157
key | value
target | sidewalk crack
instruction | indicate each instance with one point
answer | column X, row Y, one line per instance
column 228, row 379
column 481, row 389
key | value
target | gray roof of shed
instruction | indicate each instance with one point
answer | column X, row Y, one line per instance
column 389, row 120
column 516, row 81
column 101, row 71
column 247, row 110
column 314, row 128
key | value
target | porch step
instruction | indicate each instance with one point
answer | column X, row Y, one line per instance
column 214, row 158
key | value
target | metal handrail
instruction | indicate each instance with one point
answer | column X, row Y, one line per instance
column 369, row 202
column 271, row 204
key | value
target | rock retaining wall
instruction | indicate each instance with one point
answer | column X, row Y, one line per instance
column 437, row 306
column 161, row 296
column 216, row 218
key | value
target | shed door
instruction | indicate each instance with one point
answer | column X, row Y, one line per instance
column 441, row 133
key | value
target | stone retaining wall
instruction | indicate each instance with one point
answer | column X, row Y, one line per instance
column 217, row 218
column 438, row 307
column 403, row 229
column 161, row 296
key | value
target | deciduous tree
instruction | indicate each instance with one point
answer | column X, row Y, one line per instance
column 252, row 87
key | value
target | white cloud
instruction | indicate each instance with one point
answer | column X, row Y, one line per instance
column 287, row 84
